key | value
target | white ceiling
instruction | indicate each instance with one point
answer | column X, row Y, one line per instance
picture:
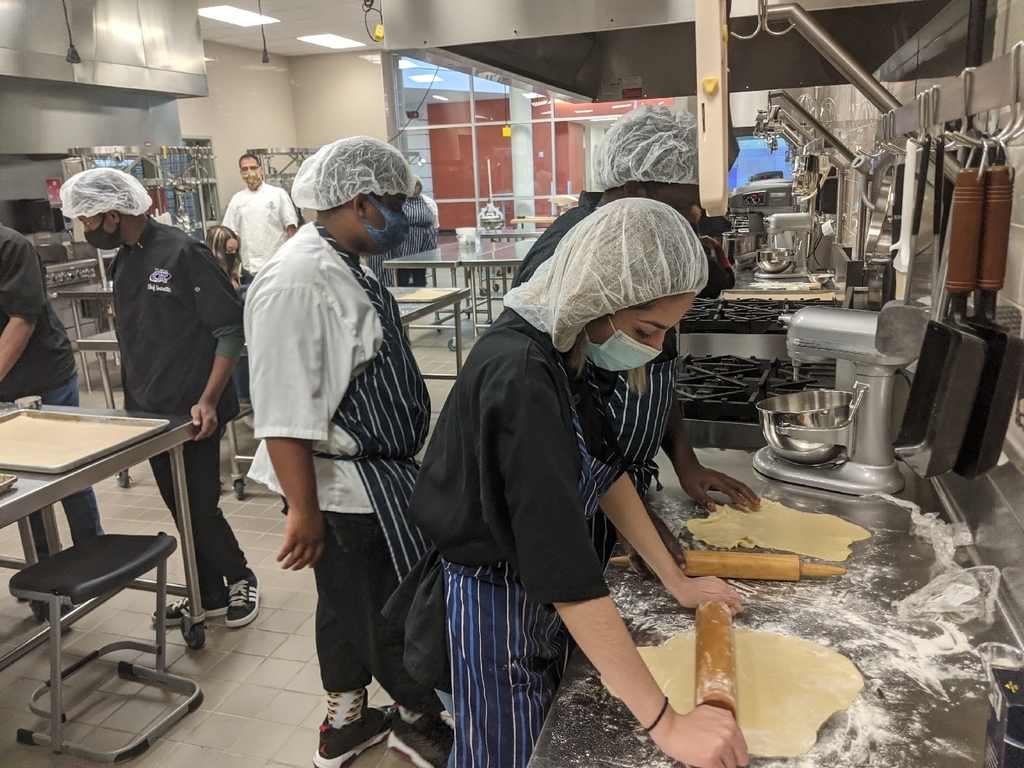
column 297, row 18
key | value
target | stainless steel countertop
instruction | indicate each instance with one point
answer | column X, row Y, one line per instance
column 35, row 491
column 924, row 702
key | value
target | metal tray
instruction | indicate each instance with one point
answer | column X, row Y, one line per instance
column 152, row 427
column 7, row 482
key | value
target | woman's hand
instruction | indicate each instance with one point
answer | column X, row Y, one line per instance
column 692, row 591
column 707, row 737
column 671, row 543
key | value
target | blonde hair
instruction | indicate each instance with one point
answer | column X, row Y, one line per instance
column 217, row 241
column 636, row 378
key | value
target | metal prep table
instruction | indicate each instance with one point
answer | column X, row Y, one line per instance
column 525, row 221
column 924, row 701
column 33, row 492
column 509, row 234
column 80, row 294
column 480, row 262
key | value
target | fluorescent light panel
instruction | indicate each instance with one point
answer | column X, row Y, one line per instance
column 231, row 15
column 425, row 79
column 331, row 41
column 532, row 95
column 440, row 98
column 406, row 64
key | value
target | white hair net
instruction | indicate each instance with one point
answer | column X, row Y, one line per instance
column 340, row 171
column 100, row 190
column 648, row 144
column 627, row 253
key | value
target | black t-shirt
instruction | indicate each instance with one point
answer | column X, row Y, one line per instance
column 47, row 362
column 170, row 295
column 500, row 477
column 719, row 278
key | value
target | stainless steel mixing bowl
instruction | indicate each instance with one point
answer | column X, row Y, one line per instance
column 827, row 410
column 774, row 260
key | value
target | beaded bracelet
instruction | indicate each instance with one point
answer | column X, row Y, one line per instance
column 664, row 709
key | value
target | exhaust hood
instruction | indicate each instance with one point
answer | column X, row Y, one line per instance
column 138, row 57
column 578, row 47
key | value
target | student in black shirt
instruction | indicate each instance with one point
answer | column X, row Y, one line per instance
column 36, row 359
column 179, row 330
column 650, row 152
column 521, row 456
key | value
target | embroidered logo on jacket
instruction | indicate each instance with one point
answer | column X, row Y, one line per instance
column 158, row 281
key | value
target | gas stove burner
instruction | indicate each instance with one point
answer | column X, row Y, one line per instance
column 728, row 388
column 742, row 315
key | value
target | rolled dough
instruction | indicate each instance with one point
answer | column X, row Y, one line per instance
column 786, row 687
column 27, row 441
column 774, row 526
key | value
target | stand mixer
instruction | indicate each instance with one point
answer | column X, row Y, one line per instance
column 790, row 237
column 773, row 221
column 835, row 440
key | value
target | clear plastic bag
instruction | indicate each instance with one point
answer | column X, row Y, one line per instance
column 944, row 537
column 960, row 595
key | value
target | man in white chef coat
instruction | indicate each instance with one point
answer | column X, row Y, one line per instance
column 262, row 216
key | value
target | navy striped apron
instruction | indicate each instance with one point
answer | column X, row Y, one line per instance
column 639, row 422
column 507, row 653
column 386, row 410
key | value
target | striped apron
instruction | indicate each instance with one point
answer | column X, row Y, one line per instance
column 639, row 422
column 386, row 410
column 507, row 653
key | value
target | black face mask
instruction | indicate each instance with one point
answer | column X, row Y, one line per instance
column 103, row 240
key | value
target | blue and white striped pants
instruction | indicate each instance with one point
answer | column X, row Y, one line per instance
column 507, row 657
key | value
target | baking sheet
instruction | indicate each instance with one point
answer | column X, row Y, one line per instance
column 51, row 442
column 424, row 294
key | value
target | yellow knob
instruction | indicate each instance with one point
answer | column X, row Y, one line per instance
column 710, row 85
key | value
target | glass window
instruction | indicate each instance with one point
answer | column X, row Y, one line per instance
column 755, row 157
column 431, row 95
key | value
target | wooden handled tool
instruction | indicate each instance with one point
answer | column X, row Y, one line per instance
column 715, row 678
column 749, row 565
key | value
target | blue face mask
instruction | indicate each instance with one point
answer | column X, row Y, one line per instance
column 396, row 227
column 620, row 352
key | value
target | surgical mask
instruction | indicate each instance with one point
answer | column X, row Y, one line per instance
column 620, row 352
column 396, row 227
column 252, row 179
column 105, row 241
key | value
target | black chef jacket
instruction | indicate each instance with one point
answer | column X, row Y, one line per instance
column 500, row 477
column 47, row 362
column 719, row 279
column 171, row 301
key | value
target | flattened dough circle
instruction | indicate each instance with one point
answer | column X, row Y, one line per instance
column 786, row 686
column 774, row 526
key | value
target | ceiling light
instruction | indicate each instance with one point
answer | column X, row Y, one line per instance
column 231, row 15
column 331, row 41
column 406, row 64
column 440, row 98
column 621, row 106
column 373, row 58
column 584, row 111
column 532, row 95
column 425, row 79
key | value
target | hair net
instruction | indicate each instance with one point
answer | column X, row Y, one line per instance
column 346, row 168
column 627, row 253
column 648, row 144
column 99, row 190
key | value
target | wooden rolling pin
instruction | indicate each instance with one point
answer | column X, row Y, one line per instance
column 750, row 565
column 715, row 678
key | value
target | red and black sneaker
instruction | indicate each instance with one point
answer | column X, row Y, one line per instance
column 338, row 745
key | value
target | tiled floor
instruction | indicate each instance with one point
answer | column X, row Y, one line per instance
column 262, row 695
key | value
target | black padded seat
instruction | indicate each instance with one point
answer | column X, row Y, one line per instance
column 95, row 567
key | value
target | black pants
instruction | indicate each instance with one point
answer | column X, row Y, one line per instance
column 219, row 559
column 354, row 578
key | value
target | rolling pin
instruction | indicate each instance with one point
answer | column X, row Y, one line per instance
column 715, row 678
column 749, row 565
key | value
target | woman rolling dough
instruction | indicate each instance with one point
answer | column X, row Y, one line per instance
column 521, row 457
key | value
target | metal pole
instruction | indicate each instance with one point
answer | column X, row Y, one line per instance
column 188, row 549
column 834, row 53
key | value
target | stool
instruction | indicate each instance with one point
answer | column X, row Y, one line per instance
column 100, row 568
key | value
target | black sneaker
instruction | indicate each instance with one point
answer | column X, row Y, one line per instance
column 338, row 745
column 427, row 742
column 176, row 612
column 243, row 601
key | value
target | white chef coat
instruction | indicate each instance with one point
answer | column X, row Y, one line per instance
column 260, row 219
column 310, row 329
column 433, row 209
